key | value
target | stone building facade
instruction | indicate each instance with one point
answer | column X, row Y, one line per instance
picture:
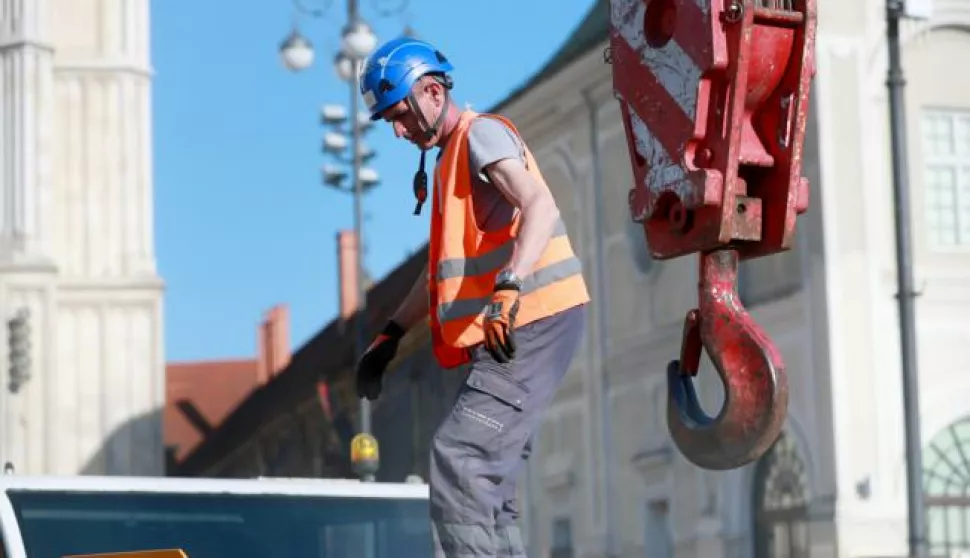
column 77, row 246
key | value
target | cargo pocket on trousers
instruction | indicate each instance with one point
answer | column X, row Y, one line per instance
column 507, row 397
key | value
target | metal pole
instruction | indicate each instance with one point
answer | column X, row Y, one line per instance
column 360, row 329
column 361, row 325
column 904, row 275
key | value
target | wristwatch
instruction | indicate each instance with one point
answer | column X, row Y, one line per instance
column 507, row 278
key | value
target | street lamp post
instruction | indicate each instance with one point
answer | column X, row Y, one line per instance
column 896, row 11
column 358, row 41
column 363, row 179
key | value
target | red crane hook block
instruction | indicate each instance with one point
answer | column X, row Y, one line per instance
column 714, row 96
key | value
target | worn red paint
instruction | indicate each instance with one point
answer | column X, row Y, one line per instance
column 741, row 192
column 660, row 108
column 751, row 368
column 747, row 135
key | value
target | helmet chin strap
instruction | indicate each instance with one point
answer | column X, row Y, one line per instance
column 421, row 177
column 429, row 129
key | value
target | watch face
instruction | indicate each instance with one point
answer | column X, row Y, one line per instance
column 507, row 276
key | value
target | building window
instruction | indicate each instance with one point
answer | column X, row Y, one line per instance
column 781, row 503
column 657, row 540
column 946, row 488
column 946, row 176
column 562, row 538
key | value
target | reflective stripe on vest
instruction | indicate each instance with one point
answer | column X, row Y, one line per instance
column 463, row 308
column 488, row 262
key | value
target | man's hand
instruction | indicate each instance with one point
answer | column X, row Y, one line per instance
column 500, row 323
column 370, row 369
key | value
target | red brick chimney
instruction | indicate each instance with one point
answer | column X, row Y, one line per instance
column 347, row 267
column 274, row 343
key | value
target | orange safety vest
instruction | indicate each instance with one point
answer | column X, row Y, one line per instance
column 463, row 260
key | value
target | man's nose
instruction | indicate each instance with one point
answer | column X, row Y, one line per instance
column 400, row 130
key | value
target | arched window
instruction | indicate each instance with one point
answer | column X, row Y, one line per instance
column 946, row 488
column 781, row 503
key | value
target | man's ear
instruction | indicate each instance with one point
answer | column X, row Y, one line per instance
column 435, row 90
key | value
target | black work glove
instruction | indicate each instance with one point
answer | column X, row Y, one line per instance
column 370, row 369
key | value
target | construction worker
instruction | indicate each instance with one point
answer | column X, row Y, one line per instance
column 503, row 291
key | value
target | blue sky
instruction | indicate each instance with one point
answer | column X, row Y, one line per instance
column 242, row 221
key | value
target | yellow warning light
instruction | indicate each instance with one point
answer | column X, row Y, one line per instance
column 363, row 448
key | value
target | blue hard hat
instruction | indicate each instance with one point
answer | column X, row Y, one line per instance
column 390, row 71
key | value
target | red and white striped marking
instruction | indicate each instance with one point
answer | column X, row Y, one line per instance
column 659, row 86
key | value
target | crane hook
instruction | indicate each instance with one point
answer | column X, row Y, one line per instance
column 751, row 370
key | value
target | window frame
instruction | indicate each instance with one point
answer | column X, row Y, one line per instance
column 960, row 163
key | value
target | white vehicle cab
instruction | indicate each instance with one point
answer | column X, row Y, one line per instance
column 55, row 517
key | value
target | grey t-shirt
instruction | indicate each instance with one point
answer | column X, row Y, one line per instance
column 490, row 141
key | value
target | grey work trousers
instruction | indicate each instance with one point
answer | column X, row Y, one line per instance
column 480, row 447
